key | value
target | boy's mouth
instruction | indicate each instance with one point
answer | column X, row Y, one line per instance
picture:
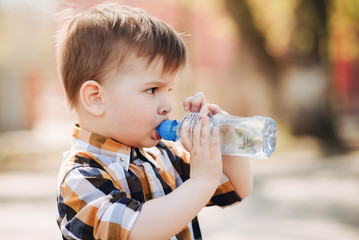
column 158, row 136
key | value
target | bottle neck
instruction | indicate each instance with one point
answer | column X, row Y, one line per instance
column 168, row 130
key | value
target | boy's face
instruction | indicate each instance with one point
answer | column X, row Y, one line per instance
column 136, row 102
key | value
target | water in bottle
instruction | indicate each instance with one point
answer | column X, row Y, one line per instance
column 244, row 136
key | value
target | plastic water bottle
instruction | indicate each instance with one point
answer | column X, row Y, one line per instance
column 244, row 136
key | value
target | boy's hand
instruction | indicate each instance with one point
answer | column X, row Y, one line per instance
column 198, row 103
column 206, row 159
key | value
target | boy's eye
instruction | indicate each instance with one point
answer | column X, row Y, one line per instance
column 151, row 90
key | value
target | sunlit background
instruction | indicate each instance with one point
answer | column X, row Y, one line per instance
column 296, row 61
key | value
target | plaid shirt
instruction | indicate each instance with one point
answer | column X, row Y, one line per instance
column 103, row 183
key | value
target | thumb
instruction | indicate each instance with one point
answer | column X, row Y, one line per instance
column 204, row 110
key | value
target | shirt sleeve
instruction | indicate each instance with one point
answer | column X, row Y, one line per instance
column 225, row 194
column 91, row 207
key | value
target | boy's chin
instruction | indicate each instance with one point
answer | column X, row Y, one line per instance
column 150, row 144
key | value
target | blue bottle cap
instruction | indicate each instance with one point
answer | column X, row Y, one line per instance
column 167, row 130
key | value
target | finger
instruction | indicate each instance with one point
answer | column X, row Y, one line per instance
column 197, row 102
column 214, row 109
column 204, row 110
column 196, row 135
column 215, row 140
column 206, row 132
column 186, row 137
column 187, row 103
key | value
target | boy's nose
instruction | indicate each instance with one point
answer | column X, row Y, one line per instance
column 165, row 108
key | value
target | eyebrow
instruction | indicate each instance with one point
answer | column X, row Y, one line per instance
column 155, row 82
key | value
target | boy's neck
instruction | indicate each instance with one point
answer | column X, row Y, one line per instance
column 89, row 122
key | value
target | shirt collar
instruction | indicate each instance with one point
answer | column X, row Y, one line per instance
column 99, row 145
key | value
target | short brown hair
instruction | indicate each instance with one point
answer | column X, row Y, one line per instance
column 100, row 39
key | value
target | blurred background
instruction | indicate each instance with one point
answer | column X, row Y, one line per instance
column 296, row 61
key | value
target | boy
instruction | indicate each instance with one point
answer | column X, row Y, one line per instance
column 119, row 181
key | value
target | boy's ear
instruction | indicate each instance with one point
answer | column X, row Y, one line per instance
column 91, row 97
